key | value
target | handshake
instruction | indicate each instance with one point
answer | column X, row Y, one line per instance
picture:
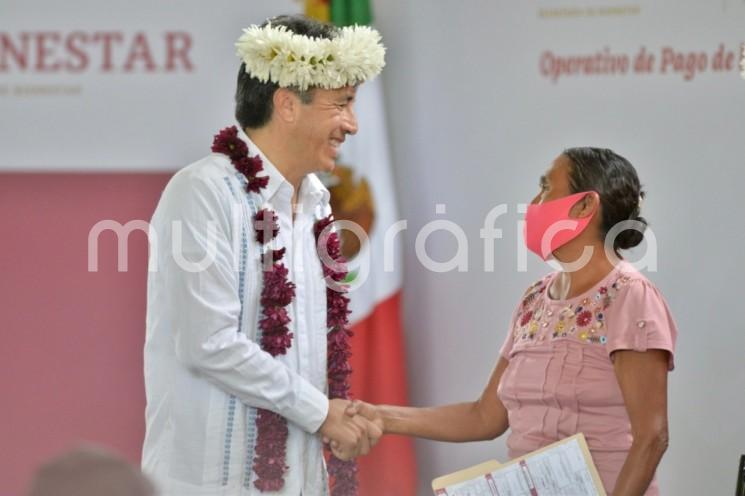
column 351, row 428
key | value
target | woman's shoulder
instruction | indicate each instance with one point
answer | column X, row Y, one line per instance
column 535, row 290
column 632, row 300
column 629, row 280
column 638, row 317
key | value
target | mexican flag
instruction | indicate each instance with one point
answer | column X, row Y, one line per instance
column 362, row 191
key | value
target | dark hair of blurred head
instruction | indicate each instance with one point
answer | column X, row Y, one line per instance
column 90, row 471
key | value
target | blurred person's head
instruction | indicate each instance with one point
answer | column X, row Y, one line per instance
column 90, row 471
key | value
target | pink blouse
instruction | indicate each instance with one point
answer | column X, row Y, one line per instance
column 560, row 379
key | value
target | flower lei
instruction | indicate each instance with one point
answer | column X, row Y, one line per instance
column 276, row 54
column 277, row 293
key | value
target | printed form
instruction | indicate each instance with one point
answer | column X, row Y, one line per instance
column 560, row 469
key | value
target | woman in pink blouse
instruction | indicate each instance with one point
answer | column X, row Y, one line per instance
column 588, row 348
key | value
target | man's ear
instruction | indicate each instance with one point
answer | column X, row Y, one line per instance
column 286, row 105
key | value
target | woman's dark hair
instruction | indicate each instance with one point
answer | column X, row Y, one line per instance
column 616, row 181
column 253, row 99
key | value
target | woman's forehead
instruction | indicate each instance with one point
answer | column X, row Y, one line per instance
column 558, row 172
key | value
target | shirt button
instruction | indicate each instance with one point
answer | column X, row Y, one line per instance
column 640, row 324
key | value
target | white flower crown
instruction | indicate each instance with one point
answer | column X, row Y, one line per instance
column 276, row 54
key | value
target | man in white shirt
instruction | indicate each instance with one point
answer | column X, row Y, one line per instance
column 206, row 374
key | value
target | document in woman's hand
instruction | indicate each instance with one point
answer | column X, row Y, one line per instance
column 564, row 468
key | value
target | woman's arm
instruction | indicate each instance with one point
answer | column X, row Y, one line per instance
column 643, row 380
column 480, row 420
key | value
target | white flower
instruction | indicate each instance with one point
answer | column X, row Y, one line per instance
column 360, row 53
column 291, row 60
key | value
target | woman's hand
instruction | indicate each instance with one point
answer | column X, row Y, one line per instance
column 480, row 420
column 367, row 410
column 348, row 436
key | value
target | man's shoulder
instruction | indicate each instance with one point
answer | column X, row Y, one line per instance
column 210, row 178
column 212, row 169
column 210, row 175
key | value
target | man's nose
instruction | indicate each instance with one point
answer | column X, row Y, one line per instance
column 350, row 122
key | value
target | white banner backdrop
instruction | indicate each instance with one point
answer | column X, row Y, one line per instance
column 136, row 85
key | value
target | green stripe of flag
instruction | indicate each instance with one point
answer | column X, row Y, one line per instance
column 350, row 12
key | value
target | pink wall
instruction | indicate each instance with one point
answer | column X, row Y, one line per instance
column 70, row 340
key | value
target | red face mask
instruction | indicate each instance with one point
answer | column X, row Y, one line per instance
column 548, row 225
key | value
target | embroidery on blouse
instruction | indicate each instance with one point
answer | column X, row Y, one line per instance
column 583, row 320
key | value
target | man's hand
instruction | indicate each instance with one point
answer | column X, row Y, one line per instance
column 368, row 411
column 349, row 435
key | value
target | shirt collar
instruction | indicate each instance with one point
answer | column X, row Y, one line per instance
column 312, row 191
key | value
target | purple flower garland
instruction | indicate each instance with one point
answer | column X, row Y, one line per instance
column 276, row 339
column 228, row 143
column 277, row 293
column 342, row 473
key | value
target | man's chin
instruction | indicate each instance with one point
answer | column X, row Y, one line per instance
column 327, row 168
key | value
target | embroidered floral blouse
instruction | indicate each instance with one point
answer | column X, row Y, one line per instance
column 560, row 379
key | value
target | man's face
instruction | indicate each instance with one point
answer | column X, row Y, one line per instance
column 323, row 125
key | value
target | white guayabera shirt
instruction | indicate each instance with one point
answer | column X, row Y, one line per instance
column 205, row 373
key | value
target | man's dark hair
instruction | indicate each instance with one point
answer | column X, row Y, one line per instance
column 616, row 181
column 253, row 99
